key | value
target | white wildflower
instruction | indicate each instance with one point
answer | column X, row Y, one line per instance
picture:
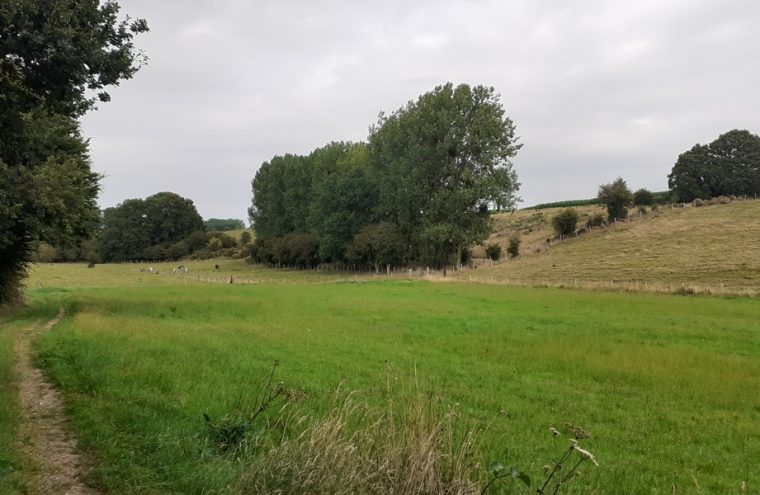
column 586, row 455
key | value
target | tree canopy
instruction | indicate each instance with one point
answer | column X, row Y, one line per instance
column 428, row 176
column 617, row 198
column 136, row 225
column 441, row 161
column 730, row 165
column 57, row 59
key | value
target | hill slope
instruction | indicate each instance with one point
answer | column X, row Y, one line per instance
column 712, row 247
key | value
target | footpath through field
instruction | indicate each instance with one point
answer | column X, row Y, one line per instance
column 46, row 439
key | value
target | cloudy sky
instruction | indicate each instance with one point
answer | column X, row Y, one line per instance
column 597, row 89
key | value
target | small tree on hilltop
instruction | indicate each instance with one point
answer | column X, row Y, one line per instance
column 616, row 197
column 565, row 222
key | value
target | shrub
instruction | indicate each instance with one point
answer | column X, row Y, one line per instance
column 245, row 238
column 226, row 240
column 45, row 253
column 513, row 249
column 595, row 220
column 642, row 210
column 643, row 197
column 377, row 244
column 616, row 197
column 564, row 223
column 215, row 244
column 493, row 251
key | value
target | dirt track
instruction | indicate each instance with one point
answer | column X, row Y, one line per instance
column 46, row 439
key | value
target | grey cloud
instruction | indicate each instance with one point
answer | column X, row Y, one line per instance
column 597, row 88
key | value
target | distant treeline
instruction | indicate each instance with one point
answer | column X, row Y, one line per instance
column 164, row 226
column 660, row 197
column 419, row 191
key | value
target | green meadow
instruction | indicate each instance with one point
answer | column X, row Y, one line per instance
column 666, row 385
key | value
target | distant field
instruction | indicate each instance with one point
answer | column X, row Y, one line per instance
column 716, row 247
column 664, row 383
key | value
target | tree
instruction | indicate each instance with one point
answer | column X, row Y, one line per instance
column 281, row 194
column 171, row 217
column 440, row 162
column 616, row 197
column 56, row 60
column 126, row 233
column 135, row 225
column 643, row 197
column 223, row 224
column 343, row 200
column 730, row 165
column 377, row 245
column 565, row 221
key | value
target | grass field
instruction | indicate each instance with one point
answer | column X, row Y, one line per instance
column 715, row 247
column 666, row 385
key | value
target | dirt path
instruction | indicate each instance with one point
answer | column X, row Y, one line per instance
column 46, row 438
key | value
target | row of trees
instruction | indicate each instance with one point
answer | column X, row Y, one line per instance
column 56, row 60
column 419, row 190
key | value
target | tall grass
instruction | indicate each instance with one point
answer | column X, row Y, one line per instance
column 412, row 447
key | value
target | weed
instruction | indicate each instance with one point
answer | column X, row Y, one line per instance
column 229, row 432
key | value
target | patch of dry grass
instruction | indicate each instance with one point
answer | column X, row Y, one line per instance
column 412, row 449
column 715, row 247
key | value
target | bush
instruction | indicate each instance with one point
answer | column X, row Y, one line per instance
column 226, row 240
column 595, row 220
column 565, row 222
column 616, row 197
column 513, row 249
column 245, row 238
column 376, row 245
column 643, row 197
column 493, row 251
column 45, row 253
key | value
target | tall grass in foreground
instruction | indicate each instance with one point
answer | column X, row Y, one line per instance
column 411, row 448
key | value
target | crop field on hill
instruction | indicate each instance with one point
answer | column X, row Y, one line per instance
column 665, row 384
column 714, row 247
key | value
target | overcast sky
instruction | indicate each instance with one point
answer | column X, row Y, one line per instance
column 597, row 89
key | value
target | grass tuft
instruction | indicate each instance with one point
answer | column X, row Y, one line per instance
column 411, row 448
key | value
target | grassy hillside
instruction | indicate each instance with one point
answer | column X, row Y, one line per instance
column 715, row 247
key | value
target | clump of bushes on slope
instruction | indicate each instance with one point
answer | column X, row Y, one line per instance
column 565, row 222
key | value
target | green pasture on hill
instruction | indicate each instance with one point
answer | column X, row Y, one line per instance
column 667, row 385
